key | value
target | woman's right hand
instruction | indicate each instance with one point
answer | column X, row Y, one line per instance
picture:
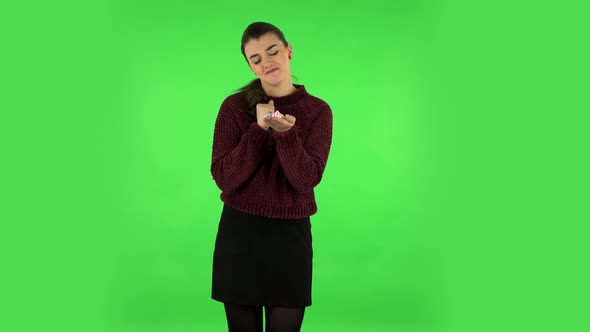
column 261, row 111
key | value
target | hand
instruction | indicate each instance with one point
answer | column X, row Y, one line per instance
column 281, row 122
column 261, row 111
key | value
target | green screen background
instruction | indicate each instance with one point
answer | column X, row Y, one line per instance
column 455, row 197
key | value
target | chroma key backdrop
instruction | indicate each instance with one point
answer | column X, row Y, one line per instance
column 455, row 197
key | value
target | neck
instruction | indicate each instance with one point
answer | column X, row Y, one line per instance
column 280, row 90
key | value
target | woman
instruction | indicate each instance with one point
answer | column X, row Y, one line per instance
column 270, row 147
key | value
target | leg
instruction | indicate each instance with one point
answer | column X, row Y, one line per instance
column 280, row 319
column 241, row 318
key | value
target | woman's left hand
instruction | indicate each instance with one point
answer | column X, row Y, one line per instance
column 282, row 123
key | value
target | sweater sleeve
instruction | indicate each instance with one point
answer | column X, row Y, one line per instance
column 235, row 156
column 304, row 162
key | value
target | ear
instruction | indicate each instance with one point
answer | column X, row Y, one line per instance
column 290, row 50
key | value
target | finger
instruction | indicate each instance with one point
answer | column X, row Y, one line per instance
column 280, row 123
column 290, row 118
column 277, row 124
column 271, row 103
column 264, row 109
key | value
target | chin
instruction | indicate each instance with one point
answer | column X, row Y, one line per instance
column 274, row 82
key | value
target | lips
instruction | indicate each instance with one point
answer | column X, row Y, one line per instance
column 271, row 71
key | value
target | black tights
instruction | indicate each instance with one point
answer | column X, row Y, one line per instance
column 242, row 318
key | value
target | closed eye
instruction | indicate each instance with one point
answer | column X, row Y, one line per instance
column 271, row 54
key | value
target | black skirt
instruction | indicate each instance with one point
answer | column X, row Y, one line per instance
column 261, row 261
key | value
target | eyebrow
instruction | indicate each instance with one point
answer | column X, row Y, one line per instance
column 268, row 48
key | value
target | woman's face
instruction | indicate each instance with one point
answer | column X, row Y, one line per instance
column 269, row 58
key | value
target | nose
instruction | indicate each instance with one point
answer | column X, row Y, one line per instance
column 266, row 64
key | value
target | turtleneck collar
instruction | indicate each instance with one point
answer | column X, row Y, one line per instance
column 291, row 98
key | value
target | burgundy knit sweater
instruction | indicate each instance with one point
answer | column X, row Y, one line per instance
column 270, row 173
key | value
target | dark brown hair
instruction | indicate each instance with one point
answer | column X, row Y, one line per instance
column 252, row 93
